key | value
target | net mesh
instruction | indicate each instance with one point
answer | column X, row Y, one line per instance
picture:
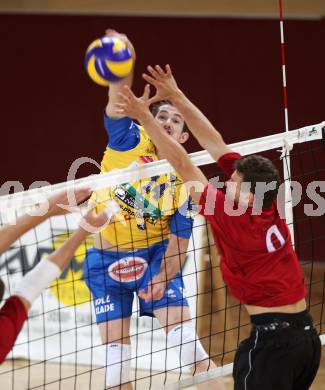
column 60, row 347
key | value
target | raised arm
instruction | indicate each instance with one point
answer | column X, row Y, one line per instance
column 14, row 311
column 10, row 233
column 200, row 126
column 116, row 87
column 90, row 223
column 168, row 147
column 51, row 266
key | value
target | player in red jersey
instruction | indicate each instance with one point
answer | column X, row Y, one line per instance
column 14, row 312
column 258, row 262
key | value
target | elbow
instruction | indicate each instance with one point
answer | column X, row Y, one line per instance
column 183, row 166
column 180, row 244
column 176, row 155
column 178, row 164
column 215, row 139
column 183, row 244
column 180, row 161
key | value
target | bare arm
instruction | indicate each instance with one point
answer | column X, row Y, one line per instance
column 176, row 155
column 10, row 233
column 116, row 87
column 174, row 257
column 203, row 130
column 12, row 314
column 171, row 264
column 63, row 255
column 50, row 267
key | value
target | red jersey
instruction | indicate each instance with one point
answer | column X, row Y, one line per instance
column 13, row 314
column 257, row 260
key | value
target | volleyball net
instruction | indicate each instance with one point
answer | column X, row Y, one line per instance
column 60, row 343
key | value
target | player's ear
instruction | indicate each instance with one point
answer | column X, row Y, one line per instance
column 2, row 289
column 183, row 137
column 250, row 200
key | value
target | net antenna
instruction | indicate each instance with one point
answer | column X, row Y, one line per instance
column 286, row 147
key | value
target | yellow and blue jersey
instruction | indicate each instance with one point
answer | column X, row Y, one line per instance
column 150, row 209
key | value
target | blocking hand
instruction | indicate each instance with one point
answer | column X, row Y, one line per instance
column 62, row 203
column 133, row 106
column 94, row 223
column 163, row 81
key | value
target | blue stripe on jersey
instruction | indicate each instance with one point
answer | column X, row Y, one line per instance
column 123, row 133
column 180, row 225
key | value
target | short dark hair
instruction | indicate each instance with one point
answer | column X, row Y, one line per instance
column 2, row 289
column 254, row 169
column 154, row 108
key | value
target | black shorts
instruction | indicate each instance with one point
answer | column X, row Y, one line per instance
column 282, row 353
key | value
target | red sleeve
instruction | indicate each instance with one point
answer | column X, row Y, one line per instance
column 202, row 201
column 12, row 317
column 211, row 202
column 227, row 162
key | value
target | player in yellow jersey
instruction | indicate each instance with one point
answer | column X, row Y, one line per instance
column 144, row 250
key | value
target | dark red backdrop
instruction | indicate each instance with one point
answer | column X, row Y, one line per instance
column 51, row 113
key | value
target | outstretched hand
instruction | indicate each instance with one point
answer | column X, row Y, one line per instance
column 94, row 223
column 133, row 106
column 163, row 81
column 62, row 203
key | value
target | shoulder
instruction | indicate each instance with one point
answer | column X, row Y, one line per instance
column 111, row 123
column 228, row 161
column 123, row 133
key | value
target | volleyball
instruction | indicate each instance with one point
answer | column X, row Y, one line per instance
column 108, row 59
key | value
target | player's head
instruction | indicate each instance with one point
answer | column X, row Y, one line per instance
column 256, row 169
column 171, row 120
column 2, row 289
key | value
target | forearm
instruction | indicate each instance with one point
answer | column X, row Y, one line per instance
column 63, row 255
column 174, row 257
column 113, row 95
column 10, row 233
column 168, row 147
column 47, row 270
column 51, row 266
column 116, row 87
column 197, row 122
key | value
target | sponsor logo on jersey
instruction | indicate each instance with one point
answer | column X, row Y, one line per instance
column 132, row 199
column 128, row 269
column 171, row 293
column 125, row 197
column 128, row 210
column 146, row 159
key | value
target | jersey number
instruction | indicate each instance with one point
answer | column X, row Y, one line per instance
column 269, row 244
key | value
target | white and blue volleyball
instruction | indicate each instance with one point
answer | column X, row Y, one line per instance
column 108, row 59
